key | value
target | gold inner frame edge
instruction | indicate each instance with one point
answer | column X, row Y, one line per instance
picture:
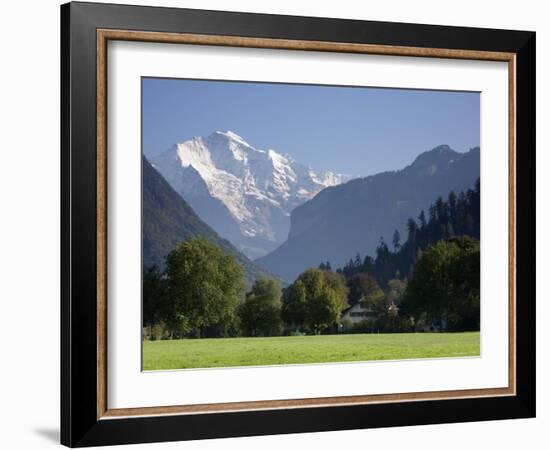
column 103, row 36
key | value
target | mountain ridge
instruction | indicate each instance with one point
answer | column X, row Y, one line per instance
column 341, row 220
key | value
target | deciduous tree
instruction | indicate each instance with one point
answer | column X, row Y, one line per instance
column 315, row 300
column 155, row 305
column 204, row 285
column 445, row 284
column 260, row 313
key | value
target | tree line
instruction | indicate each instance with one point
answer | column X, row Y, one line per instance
column 201, row 293
column 432, row 279
column 438, row 263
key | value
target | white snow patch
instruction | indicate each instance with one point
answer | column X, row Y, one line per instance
column 255, row 185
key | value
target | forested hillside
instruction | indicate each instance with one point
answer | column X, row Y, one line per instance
column 458, row 215
column 351, row 217
column 168, row 220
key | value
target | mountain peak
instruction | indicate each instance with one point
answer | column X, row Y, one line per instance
column 226, row 180
column 440, row 155
column 442, row 149
column 350, row 218
column 232, row 136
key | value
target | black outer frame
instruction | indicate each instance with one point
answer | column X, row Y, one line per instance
column 79, row 423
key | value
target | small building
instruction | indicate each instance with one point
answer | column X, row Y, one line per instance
column 393, row 309
column 360, row 312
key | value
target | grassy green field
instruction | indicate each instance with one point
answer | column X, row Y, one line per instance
column 201, row 353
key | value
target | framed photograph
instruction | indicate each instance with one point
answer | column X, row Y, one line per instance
column 276, row 224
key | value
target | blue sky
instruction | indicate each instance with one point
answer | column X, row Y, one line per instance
column 358, row 131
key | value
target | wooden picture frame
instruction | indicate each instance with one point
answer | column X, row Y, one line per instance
column 86, row 418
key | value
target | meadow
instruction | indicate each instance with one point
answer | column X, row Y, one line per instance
column 259, row 351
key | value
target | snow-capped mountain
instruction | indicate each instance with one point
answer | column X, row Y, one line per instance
column 246, row 194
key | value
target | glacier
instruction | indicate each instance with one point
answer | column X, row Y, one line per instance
column 245, row 193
